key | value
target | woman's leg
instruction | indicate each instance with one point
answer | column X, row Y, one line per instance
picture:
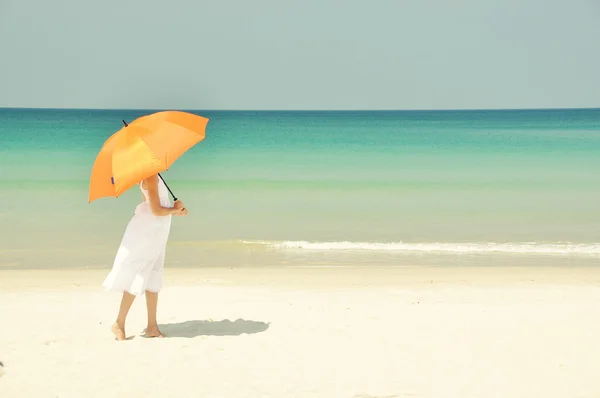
column 152, row 305
column 119, row 327
column 154, row 284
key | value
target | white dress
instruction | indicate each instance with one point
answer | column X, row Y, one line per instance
column 140, row 260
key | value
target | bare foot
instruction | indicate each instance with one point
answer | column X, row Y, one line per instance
column 153, row 331
column 118, row 331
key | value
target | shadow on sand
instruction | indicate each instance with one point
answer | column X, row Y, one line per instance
column 225, row 327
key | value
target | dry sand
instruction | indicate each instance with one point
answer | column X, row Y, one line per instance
column 308, row 332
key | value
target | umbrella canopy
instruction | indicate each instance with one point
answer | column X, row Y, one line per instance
column 145, row 147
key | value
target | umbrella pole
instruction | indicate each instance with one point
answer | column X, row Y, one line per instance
column 171, row 192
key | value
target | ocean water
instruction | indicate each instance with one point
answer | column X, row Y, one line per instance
column 318, row 189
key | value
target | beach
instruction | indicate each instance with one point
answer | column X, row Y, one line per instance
column 306, row 332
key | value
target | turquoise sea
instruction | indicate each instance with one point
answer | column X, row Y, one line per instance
column 388, row 188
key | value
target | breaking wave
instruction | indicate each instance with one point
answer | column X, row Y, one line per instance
column 449, row 248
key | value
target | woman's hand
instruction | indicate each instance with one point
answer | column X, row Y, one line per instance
column 181, row 212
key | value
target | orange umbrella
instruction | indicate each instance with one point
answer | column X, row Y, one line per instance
column 143, row 148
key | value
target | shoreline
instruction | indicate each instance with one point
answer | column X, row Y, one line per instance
column 316, row 277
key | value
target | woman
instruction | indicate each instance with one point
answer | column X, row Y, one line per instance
column 139, row 263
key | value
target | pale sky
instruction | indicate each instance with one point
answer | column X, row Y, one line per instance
column 309, row 54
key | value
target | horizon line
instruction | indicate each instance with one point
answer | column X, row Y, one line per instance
column 301, row 110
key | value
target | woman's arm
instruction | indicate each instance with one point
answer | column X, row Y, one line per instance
column 157, row 208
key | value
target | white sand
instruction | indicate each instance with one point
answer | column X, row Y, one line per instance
column 355, row 332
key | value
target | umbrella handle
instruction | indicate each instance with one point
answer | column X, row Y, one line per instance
column 171, row 192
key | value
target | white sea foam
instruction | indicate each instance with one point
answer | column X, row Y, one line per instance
column 450, row 248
